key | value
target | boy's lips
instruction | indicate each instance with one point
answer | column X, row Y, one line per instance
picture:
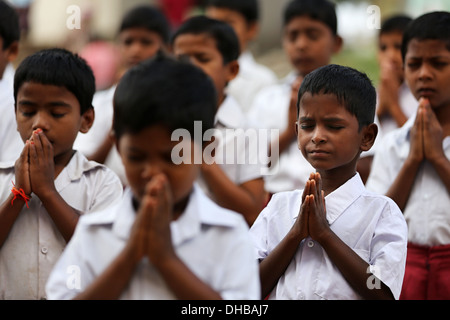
column 426, row 92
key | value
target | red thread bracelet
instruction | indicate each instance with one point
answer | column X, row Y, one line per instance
column 19, row 193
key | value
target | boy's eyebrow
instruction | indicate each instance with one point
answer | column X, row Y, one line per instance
column 51, row 104
column 327, row 119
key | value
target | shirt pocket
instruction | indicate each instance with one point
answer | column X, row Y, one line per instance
column 331, row 285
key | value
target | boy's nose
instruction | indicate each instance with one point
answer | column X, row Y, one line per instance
column 150, row 170
column 318, row 137
column 40, row 122
column 425, row 72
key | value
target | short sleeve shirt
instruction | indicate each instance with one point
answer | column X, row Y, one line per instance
column 370, row 224
column 34, row 243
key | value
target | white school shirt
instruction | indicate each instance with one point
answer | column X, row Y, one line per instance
column 11, row 143
column 270, row 111
column 212, row 241
column 427, row 210
column 89, row 142
column 408, row 104
column 34, row 243
column 371, row 224
column 234, row 153
column 252, row 77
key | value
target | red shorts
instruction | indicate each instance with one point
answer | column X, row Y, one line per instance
column 427, row 274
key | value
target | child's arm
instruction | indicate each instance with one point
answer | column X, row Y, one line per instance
column 275, row 264
column 401, row 188
column 9, row 212
column 352, row 267
column 247, row 198
column 426, row 143
column 42, row 177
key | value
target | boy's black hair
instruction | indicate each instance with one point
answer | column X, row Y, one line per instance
column 9, row 25
column 58, row 67
column 395, row 23
column 226, row 39
column 148, row 17
column 164, row 91
column 352, row 88
column 321, row 10
column 249, row 9
column 430, row 26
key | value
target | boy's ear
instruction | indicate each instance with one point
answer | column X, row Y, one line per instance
column 13, row 51
column 87, row 120
column 252, row 31
column 338, row 43
column 369, row 135
column 233, row 70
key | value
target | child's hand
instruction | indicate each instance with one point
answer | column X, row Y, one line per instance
column 151, row 234
column 158, row 202
column 22, row 170
column 432, row 133
column 300, row 226
column 317, row 224
column 416, row 150
column 42, row 164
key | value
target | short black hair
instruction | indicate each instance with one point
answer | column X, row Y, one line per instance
column 321, row 10
column 148, row 17
column 58, row 67
column 430, row 26
column 249, row 9
column 224, row 35
column 395, row 23
column 164, row 91
column 352, row 88
column 9, row 24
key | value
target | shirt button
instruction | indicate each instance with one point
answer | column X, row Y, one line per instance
column 44, row 250
column 310, row 243
column 301, row 296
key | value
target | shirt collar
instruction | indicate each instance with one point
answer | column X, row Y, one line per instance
column 199, row 212
column 230, row 114
column 341, row 198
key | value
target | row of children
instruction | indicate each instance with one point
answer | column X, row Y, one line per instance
column 325, row 239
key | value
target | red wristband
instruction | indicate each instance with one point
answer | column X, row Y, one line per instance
column 19, row 193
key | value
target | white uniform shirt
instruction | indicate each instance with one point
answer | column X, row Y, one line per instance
column 252, row 77
column 11, row 143
column 427, row 210
column 372, row 225
column 34, row 243
column 270, row 111
column 408, row 104
column 235, row 153
column 88, row 143
column 213, row 242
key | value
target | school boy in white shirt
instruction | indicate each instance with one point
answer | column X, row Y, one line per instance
column 333, row 239
column 412, row 164
column 243, row 16
column 165, row 239
column 234, row 183
column 50, row 185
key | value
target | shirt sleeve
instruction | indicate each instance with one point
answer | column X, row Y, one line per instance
column 388, row 250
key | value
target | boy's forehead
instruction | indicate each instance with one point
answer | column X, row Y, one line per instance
column 428, row 47
column 305, row 22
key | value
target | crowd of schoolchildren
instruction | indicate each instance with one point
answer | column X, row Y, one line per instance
column 92, row 205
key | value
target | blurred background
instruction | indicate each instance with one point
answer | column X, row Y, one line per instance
column 44, row 24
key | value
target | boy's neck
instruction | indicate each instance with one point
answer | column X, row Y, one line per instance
column 333, row 179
